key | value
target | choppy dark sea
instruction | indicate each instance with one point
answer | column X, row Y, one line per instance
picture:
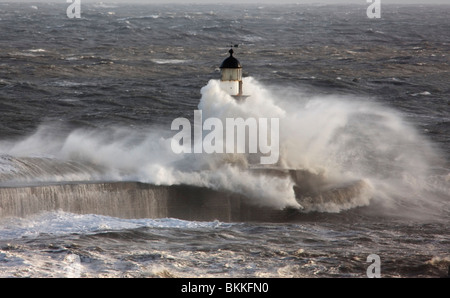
column 89, row 103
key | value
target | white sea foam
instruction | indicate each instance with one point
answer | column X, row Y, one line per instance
column 169, row 61
column 62, row 223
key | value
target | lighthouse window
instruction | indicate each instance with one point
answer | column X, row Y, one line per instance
column 231, row 74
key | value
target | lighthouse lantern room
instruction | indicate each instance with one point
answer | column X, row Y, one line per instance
column 231, row 76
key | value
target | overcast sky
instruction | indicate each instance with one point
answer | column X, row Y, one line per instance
column 243, row 1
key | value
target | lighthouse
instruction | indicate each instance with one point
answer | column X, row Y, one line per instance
column 231, row 77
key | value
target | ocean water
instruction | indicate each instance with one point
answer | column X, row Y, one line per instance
column 86, row 107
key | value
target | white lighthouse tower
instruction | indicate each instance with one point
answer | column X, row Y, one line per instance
column 231, row 77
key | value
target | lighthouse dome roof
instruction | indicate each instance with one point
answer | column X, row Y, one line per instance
column 231, row 62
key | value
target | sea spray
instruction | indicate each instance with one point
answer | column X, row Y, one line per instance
column 341, row 138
